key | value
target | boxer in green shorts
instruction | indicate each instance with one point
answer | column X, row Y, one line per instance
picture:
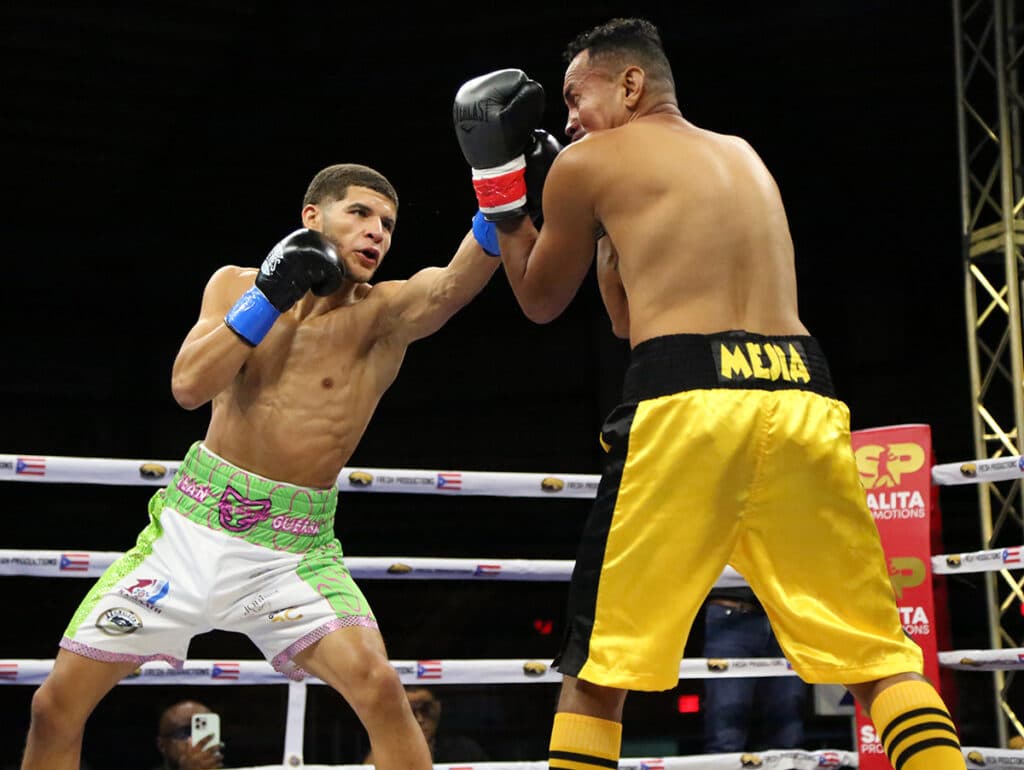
column 294, row 358
column 211, row 524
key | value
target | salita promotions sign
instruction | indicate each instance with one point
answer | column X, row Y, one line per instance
column 895, row 467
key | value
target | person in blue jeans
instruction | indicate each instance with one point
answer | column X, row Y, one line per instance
column 736, row 626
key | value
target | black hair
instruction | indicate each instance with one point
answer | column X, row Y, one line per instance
column 626, row 41
column 334, row 181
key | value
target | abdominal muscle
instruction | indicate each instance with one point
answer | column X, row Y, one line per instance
column 297, row 413
column 304, row 447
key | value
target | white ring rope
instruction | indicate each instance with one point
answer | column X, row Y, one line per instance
column 40, row 563
column 100, row 470
column 795, row 758
column 495, row 671
column 208, row 672
column 990, row 759
column 97, row 470
column 48, row 563
column 88, row 470
column 423, row 672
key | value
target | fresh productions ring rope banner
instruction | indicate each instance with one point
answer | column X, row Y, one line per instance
column 95, row 470
column 119, row 472
column 49, row 563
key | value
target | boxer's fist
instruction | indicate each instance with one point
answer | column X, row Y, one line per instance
column 302, row 261
column 541, row 152
column 494, row 116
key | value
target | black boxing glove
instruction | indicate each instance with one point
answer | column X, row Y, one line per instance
column 494, row 116
column 540, row 154
column 302, row 261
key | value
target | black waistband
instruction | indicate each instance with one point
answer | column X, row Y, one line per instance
column 731, row 359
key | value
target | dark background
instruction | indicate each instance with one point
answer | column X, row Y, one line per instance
column 145, row 145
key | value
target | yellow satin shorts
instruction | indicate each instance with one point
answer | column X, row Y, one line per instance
column 731, row 449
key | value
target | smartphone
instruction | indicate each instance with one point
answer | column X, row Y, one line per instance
column 203, row 725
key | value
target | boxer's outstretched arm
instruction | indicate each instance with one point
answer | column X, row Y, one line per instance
column 421, row 305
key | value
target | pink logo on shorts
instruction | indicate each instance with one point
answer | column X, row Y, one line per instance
column 238, row 513
column 298, row 526
column 189, row 486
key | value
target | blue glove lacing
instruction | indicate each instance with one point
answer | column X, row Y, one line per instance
column 486, row 234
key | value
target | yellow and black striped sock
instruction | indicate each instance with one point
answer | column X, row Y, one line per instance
column 915, row 728
column 579, row 742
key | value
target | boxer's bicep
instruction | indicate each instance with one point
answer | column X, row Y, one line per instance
column 421, row 305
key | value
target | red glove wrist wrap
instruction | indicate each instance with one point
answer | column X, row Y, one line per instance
column 502, row 188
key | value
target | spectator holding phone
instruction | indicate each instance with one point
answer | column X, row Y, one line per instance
column 174, row 739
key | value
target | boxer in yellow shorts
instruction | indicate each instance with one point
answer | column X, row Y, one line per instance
column 729, row 447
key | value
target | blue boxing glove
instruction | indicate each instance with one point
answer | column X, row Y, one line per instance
column 303, row 261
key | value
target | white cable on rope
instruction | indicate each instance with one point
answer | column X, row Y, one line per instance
column 295, row 724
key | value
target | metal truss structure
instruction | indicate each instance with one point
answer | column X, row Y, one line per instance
column 989, row 57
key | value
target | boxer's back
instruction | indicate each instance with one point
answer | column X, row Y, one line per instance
column 699, row 228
